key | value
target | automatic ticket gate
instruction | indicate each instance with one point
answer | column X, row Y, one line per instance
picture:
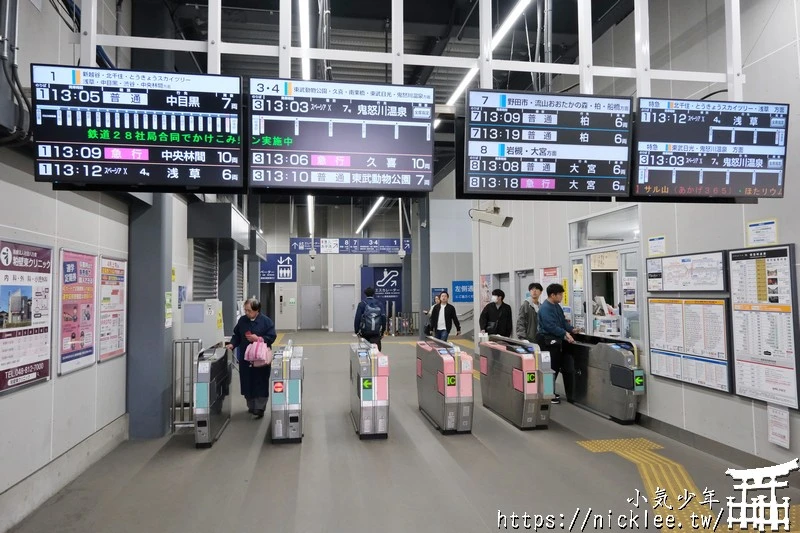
column 609, row 381
column 369, row 386
column 517, row 382
column 286, row 386
column 444, row 385
column 212, row 404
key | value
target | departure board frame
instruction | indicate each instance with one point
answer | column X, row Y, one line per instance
column 713, row 192
column 683, row 355
column 649, row 261
column 537, row 180
column 346, row 159
column 126, row 147
column 753, row 254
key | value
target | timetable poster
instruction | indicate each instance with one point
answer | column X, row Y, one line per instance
column 25, row 301
column 689, row 341
column 764, row 324
column 113, row 301
column 78, row 278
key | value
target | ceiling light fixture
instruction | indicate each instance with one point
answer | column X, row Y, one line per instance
column 311, row 215
column 305, row 40
column 369, row 215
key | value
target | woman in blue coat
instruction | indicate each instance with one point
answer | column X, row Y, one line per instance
column 254, row 381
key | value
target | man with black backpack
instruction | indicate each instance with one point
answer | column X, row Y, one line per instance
column 370, row 322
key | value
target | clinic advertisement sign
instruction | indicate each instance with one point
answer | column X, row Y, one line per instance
column 388, row 284
column 279, row 268
column 26, row 274
column 462, row 291
column 78, row 293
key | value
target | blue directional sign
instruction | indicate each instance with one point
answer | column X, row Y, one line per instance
column 279, row 268
column 303, row 245
column 387, row 282
column 462, row 291
column 436, row 291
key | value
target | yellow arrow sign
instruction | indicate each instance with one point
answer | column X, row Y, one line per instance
column 669, row 489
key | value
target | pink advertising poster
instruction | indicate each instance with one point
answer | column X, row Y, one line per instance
column 78, row 296
column 113, row 298
column 25, row 304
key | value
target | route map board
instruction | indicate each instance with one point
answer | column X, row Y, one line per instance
column 527, row 144
column 705, row 148
column 763, row 291
column 704, row 272
column 341, row 136
column 142, row 129
column 689, row 341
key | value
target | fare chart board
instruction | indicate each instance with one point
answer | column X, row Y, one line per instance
column 691, row 148
column 689, row 341
column 763, row 290
column 128, row 128
column 703, row 272
column 526, row 144
column 341, row 136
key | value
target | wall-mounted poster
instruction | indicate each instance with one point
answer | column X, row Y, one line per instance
column 78, row 297
column 486, row 289
column 26, row 273
column 113, row 304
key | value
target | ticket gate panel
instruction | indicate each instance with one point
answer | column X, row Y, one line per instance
column 286, row 384
column 212, row 405
column 444, row 385
column 369, row 401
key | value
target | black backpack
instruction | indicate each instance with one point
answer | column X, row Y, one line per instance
column 371, row 318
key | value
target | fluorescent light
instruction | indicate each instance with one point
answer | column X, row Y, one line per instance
column 305, row 40
column 436, row 123
column 511, row 19
column 371, row 212
column 311, row 214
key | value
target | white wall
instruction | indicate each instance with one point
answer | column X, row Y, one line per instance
column 685, row 35
column 45, row 420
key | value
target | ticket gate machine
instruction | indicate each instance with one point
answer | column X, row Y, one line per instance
column 212, row 404
column 609, row 381
column 444, row 385
column 286, row 386
column 369, row 386
column 517, row 382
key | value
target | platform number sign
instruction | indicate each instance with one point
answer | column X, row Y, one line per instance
column 451, row 381
column 530, row 377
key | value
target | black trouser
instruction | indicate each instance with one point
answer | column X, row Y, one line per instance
column 374, row 339
column 560, row 362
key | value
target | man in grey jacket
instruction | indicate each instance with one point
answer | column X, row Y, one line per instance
column 528, row 320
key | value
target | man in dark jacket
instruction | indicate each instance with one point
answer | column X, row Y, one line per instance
column 553, row 331
column 442, row 318
column 370, row 320
column 496, row 317
column 254, row 381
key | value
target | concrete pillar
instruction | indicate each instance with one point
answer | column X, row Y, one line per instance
column 227, row 284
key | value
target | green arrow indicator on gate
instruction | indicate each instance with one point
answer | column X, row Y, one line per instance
column 366, row 383
column 638, row 380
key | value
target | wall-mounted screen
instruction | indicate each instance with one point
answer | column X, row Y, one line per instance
column 351, row 137
column 142, row 129
column 765, row 323
column 704, row 148
column 522, row 144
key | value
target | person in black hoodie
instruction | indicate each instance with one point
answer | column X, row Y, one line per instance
column 442, row 318
column 496, row 317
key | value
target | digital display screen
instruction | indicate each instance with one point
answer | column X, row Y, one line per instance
column 128, row 128
column 342, row 136
column 546, row 144
column 704, row 148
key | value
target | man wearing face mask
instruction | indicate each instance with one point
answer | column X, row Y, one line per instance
column 254, row 381
column 496, row 317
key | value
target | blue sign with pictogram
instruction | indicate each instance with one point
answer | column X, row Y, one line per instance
column 462, row 291
column 279, row 268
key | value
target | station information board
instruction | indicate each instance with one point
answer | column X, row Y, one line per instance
column 764, row 291
column 703, row 148
column 147, row 129
column 341, row 136
column 544, row 144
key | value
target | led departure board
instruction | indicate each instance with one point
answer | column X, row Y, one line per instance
column 533, row 144
column 143, row 129
column 703, row 148
column 345, row 136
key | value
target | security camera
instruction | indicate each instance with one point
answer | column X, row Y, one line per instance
column 491, row 216
column 313, row 268
column 312, row 253
column 401, row 253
